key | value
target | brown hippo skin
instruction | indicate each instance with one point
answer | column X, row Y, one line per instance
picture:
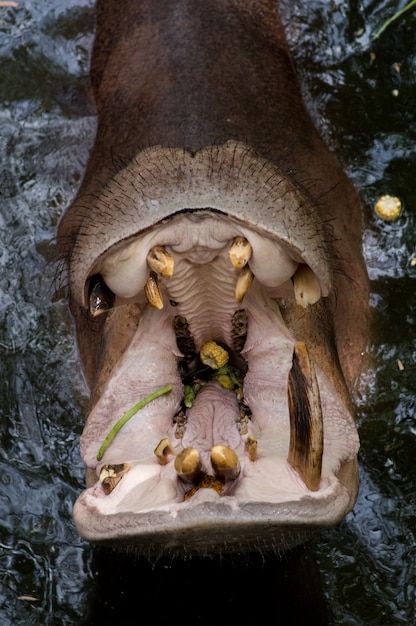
column 212, row 211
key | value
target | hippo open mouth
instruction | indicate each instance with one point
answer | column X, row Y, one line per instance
column 252, row 429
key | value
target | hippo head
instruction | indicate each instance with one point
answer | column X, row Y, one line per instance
column 204, row 287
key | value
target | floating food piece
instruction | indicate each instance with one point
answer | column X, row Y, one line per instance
column 388, row 208
column 213, row 355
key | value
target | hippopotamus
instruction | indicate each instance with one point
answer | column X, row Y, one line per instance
column 218, row 288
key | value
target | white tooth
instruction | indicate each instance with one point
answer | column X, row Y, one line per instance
column 269, row 263
column 306, row 286
column 160, row 261
column 240, row 252
column 125, row 270
column 243, row 283
column 152, row 291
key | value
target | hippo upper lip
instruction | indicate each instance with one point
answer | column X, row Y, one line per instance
column 231, row 179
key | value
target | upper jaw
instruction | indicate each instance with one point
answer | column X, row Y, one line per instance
column 271, row 493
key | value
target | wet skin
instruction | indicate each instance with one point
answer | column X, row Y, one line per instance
column 204, row 145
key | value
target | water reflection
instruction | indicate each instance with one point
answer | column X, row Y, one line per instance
column 366, row 567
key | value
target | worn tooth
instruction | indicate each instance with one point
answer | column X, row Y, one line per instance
column 188, row 465
column 164, row 450
column 240, row 252
column 225, row 462
column 306, row 286
column 250, row 447
column 152, row 291
column 160, row 261
column 111, row 475
column 243, row 284
column 101, row 298
column 306, row 425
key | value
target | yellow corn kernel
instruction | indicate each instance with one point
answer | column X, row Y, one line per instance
column 224, row 380
column 213, row 355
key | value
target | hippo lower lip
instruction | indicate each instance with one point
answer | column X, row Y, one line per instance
column 285, row 429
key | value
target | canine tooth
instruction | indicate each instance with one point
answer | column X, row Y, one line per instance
column 164, row 450
column 152, row 291
column 111, row 475
column 306, row 425
column 101, row 298
column 188, row 465
column 243, row 284
column 306, row 286
column 160, row 261
column 225, row 462
column 250, row 447
column 240, row 252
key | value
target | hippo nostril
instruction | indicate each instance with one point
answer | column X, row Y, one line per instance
column 100, row 297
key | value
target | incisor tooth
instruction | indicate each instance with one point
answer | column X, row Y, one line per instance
column 306, row 425
column 164, row 450
column 250, row 447
column 188, row 465
column 306, row 286
column 243, row 284
column 111, row 475
column 152, row 291
column 225, row 462
column 240, row 252
column 160, row 261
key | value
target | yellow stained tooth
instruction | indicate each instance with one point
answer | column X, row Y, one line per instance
column 164, row 450
column 188, row 465
column 152, row 291
column 111, row 475
column 240, row 252
column 243, row 284
column 306, row 286
column 250, row 447
column 160, row 261
column 225, row 462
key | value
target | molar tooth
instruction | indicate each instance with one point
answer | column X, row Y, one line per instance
column 160, row 261
column 225, row 462
column 101, row 298
column 188, row 465
column 250, row 447
column 164, row 450
column 110, row 476
column 240, row 252
column 306, row 425
column 152, row 291
column 306, row 286
column 243, row 284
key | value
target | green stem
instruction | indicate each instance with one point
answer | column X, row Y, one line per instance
column 394, row 17
column 113, row 432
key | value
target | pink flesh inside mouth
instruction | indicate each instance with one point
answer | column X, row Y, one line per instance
column 201, row 290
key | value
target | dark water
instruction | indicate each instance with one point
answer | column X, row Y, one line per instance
column 363, row 97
